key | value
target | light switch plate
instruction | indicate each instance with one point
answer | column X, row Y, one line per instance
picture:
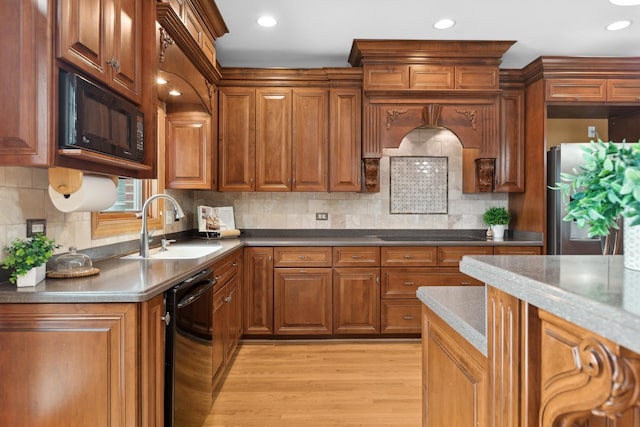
column 36, row 226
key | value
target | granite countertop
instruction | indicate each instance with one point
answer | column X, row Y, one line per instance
column 134, row 280
column 462, row 307
column 592, row 291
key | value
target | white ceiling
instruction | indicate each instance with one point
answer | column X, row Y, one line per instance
column 319, row 33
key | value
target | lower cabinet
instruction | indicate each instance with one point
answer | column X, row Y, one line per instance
column 303, row 301
column 356, row 301
column 455, row 380
column 227, row 311
column 108, row 356
column 257, row 317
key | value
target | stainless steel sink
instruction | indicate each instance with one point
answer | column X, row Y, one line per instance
column 179, row 251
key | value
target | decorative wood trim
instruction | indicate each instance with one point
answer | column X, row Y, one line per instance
column 599, row 381
column 470, row 115
column 485, row 171
column 393, row 114
column 165, row 42
column 371, row 169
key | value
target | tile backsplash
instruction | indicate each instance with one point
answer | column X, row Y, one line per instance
column 23, row 192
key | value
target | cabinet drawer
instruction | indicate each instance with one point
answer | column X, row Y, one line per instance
column 623, row 90
column 578, row 90
column 404, row 282
column 302, row 256
column 450, row 256
column 356, row 256
column 431, row 77
column 420, row 256
column 227, row 268
column 400, row 316
column 386, row 77
column 517, row 250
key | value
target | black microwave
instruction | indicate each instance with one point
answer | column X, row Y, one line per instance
column 95, row 119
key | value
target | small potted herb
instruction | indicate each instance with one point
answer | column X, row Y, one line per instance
column 497, row 218
column 27, row 258
column 605, row 189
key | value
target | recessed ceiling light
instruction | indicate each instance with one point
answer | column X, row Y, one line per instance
column 174, row 92
column 625, row 2
column 161, row 81
column 444, row 23
column 267, row 21
column 618, row 25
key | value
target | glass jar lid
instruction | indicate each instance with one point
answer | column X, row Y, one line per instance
column 72, row 262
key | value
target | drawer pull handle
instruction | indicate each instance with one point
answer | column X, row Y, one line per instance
column 409, row 317
column 408, row 256
column 356, row 256
column 408, row 283
column 301, row 256
column 464, row 282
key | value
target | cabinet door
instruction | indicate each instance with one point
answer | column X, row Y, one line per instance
column 356, row 300
column 431, row 77
column 273, row 139
column 27, row 100
column 510, row 162
column 623, row 90
column 390, row 77
column 400, row 316
column 188, row 151
column 69, row 365
column 310, row 142
column 258, row 291
column 234, row 316
column 302, row 301
column 220, row 332
column 126, row 48
column 345, row 133
column 236, row 139
column 152, row 338
column 477, row 77
column 576, row 90
column 454, row 377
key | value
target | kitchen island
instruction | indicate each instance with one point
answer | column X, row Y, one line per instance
column 562, row 342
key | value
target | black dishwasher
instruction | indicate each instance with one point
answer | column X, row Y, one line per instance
column 189, row 351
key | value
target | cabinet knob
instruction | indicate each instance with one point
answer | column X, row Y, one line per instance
column 166, row 318
column 227, row 298
column 235, row 264
column 115, row 64
column 408, row 283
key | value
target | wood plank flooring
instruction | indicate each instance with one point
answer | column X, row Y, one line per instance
column 321, row 384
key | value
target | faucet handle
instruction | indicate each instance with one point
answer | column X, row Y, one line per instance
column 164, row 243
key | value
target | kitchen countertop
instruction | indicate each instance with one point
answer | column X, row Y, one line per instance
column 462, row 307
column 592, row 291
column 134, row 280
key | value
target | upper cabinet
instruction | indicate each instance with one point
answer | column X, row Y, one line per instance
column 296, row 135
column 109, row 42
column 103, row 39
column 593, row 90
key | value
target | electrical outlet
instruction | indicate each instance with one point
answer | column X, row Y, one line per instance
column 168, row 217
column 36, row 226
column 591, row 131
column 322, row 216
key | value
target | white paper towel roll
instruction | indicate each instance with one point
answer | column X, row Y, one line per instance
column 95, row 194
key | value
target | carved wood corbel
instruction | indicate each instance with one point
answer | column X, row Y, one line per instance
column 165, row 42
column 601, row 383
column 485, row 172
column 371, row 168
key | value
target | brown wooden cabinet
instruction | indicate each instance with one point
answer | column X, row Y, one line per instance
column 455, row 379
column 103, row 39
column 189, row 151
column 517, row 250
column 258, row 291
column 430, row 77
column 227, row 311
column 273, row 139
column 356, row 301
column 593, row 90
column 113, row 359
column 345, row 133
column 510, row 163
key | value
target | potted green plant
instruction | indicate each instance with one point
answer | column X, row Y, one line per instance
column 497, row 218
column 27, row 258
column 605, row 189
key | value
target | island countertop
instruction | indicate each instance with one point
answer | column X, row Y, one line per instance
column 591, row 291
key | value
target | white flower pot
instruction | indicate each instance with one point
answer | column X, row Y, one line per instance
column 631, row 236
column 33, row 276
column 498, row 231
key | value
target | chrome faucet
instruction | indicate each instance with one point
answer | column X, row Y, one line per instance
column 144, row 233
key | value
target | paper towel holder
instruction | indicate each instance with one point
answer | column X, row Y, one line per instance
column 67, row 181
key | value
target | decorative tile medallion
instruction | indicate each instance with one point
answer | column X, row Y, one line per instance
column 419, row 185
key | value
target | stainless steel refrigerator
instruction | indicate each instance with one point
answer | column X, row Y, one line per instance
column 565, row 237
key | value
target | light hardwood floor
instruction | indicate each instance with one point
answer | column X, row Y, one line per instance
column 321, row 384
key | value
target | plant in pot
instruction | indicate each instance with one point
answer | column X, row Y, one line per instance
column 27, row 258
column 497, row 218
column 604, row 192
